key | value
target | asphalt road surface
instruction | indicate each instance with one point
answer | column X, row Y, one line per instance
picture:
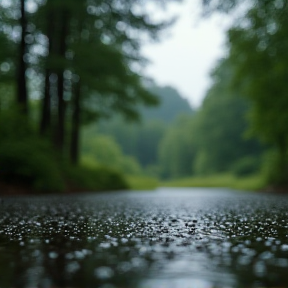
column 184, row 238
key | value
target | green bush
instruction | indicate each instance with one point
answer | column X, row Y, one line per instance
column 25, row 159
column 28, row 162
column 276, row 169
column 98, row 178
column 246, row 166
column 104, row 151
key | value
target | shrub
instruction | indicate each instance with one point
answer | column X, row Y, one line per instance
column 246, row 166
column 25, row 159
column 28, row 162
column 276, row 169
column 95, row 178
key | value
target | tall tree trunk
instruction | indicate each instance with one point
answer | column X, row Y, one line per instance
column 75, row 133
column 22, row 95
column 60, row 128
column 45, row 123
column 46, row 106
column 76, row 114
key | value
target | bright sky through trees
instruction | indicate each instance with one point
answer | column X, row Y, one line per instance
column 187, row 53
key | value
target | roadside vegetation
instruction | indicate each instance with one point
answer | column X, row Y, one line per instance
column 58, row 76
column 72, row 119
column 248, row 183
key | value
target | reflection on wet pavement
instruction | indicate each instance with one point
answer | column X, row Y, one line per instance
column 168, row 238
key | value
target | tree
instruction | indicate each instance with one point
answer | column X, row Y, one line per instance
column 99, row 84
column 142, row 140
column 257, row 48
column 13, row 58
column 83, row 57
column 220, row 125
column 171, row 105
column 22, row 94
column 139, row 140
column 103, row 150
column 7, row 73
column 259, row 53
column 177, row 149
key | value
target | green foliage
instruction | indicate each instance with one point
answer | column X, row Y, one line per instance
column 220, row 126
column 78, row 67
column 103, row 42
column 142, row 140
column 177, row 149
column 94, row 178
column 208, row 141
column 103, row 150
column 25, row 160
column 275, row 169
column 149, row 135
column 254, row 54
column 258, row 52
column 29, row 161
column 142, row 182
column 88, row 57
column 171, row 105
column 6, row 96
column 246, row 166
column 227, row 180
column 29, row 164
column 201, row 165
column 138, row 140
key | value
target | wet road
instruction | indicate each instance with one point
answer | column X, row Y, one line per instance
column 168, row 238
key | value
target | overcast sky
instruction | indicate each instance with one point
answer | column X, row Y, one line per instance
column 185, row 56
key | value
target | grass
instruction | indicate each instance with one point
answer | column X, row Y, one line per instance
column 253, row 183
column 142, row 182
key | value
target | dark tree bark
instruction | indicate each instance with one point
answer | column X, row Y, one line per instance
column 45, row 123
column 22, row 95
column 60, row 127
column 75, row 133
column 76, row 115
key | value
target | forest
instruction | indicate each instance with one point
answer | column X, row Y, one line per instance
column 76, row 114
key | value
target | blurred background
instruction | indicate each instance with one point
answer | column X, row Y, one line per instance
column 137, row 94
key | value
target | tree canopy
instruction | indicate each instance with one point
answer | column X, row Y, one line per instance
column 258, row 50
column 72, row 62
